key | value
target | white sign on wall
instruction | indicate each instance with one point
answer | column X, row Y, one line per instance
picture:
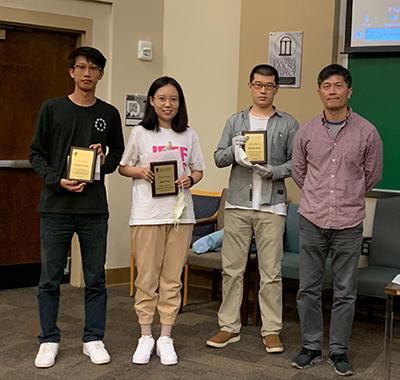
column 285, row 49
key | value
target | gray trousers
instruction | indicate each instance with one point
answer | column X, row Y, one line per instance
column 345, row 248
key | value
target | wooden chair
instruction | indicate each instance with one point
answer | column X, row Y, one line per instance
column 209, row 260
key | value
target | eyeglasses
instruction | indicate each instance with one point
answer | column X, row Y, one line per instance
column 81, row 67
column 259, row 85
column 163, row 100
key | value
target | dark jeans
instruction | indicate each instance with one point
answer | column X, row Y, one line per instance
column 56, row 234
column 345, row 248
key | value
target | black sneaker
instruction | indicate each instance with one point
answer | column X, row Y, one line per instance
column 306, row 358
column 341, row 364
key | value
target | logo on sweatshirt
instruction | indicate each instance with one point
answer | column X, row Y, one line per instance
column 100, row 124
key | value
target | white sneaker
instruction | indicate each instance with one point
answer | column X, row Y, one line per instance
column 143, row 350
column 97, row 352
column 166, row 351
column 46, row 357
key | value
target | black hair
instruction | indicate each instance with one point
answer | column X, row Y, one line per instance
column 265, row 70
column 90, row 53
column 150, row 119
column 334, row 69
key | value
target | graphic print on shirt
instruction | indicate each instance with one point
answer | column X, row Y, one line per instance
column 183, row 150
column 100, row 124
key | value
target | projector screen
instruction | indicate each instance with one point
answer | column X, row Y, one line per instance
column 372, row 26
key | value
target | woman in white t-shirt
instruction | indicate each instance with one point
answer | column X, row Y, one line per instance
column 160, row 231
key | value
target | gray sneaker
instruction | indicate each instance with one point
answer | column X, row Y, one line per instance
column 341, row 364
column 306, row 358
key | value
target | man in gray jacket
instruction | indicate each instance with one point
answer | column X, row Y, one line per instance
column 256, row 205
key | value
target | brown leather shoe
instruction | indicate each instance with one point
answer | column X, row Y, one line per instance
column 222, row 339
column 273, row 344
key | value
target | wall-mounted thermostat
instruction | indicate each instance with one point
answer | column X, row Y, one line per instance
column 145, row 50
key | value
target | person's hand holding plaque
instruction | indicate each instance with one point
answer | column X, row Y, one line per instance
column 239, row 140
column 238, row 143
column 185, row 182
column 72, row 186
column 99, row 150
column 146, row 174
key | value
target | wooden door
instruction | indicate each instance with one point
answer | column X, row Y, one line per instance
column 33, row 67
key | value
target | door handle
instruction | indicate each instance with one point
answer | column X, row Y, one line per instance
column 16, row 164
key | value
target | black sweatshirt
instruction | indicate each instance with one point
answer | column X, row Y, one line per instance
column 61, row 124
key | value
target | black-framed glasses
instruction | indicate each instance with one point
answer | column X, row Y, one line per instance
column 81, row 67
column 268, row 86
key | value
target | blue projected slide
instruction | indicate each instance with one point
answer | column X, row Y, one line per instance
column 382, row 34
column 374, row 23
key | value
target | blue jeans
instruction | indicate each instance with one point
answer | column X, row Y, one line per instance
column 315, row 245
column 56, row 231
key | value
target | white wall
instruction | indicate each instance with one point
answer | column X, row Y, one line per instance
column 201, row 50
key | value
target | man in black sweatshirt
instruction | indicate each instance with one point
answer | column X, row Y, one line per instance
column 69, row 206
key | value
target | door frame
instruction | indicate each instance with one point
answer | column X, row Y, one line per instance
column 43, row 20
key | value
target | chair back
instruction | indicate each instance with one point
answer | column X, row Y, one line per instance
column 384, row 249
column 205, row 204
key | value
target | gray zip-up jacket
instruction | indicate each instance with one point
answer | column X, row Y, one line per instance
column 281, row 130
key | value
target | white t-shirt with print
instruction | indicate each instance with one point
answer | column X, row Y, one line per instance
column 145, row 146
